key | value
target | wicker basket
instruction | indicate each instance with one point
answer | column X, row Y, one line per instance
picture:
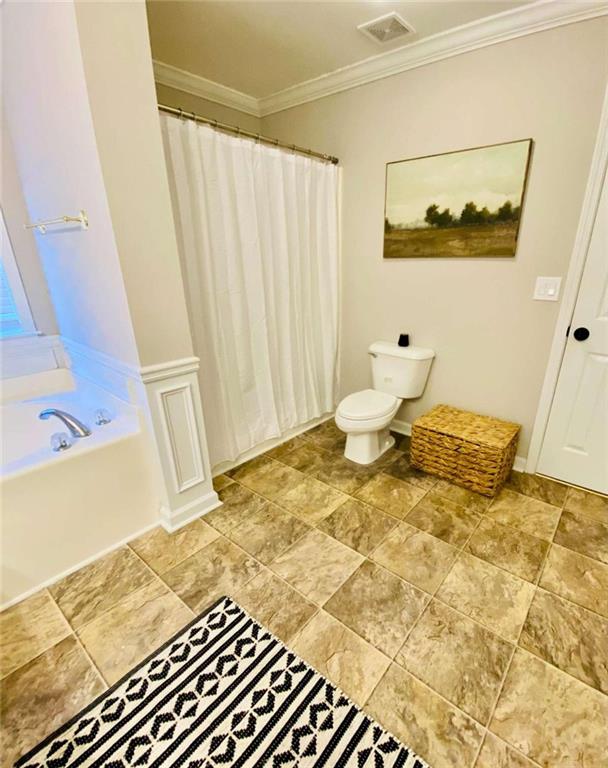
column 473, row 451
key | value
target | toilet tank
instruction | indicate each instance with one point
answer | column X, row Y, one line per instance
column 400, row 371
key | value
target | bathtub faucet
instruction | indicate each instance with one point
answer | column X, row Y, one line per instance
column 77, row 428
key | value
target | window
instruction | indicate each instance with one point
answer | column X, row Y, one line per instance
column 15, row 314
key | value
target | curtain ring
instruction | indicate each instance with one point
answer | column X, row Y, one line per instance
column 215, row 123
column 181, row 113
column 238, row 131
column 276, row 142
column 257, row 138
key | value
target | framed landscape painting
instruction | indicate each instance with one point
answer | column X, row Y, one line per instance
column 459, row 204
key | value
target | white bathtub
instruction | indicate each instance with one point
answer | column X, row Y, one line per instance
column 63, row 509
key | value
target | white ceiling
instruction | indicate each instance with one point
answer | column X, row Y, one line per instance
column 260, row 48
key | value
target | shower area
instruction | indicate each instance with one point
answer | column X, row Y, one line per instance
column 257, row 230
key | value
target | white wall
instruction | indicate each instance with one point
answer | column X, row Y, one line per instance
column 47, row 111
column 492, row 340
column 190, row 103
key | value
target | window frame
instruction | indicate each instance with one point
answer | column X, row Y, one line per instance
column 15, row 282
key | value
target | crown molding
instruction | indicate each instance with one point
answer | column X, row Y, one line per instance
column 501, row 27
column 165, row 74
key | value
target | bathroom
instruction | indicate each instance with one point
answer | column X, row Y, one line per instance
column 250, row 379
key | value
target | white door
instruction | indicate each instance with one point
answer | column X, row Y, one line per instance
column 575, row 447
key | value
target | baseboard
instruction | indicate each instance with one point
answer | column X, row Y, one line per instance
column 172, row 521
column 405, row 428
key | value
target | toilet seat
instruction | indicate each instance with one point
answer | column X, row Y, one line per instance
column 367, row 404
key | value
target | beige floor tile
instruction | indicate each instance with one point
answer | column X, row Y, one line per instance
column 273, row 480
column 390, row 495
column 28, row 629
column 358, row 525
column 457, row 658
column 474, row 502
column 444, row 519
column 589, row 504
column 341, row 655
column 551, row 717
column 162, row 550
column 220, row 569
column 416, row 556
column 378, row 606
column 86, row 594
column 496, row 754
column 569, row 637
column 43, row 694
column 275, row 604
column 495, row 598
column 283, row 449
column 576, row 577
column 437, row 731
column 307, row 458
column 316, row 566
column 237, row 504
column 540, row 488
column 402, row 442
column 402, row 469
column 583, row 534
column 327, row 436
column 267, row 532
column 515, row 551
column 312, row 500
column 343, row 474
column 249, row 467
column 133, row 629
column 525, row 513
column 221, row 481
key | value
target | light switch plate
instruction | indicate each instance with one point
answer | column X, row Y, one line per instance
column 547, row 288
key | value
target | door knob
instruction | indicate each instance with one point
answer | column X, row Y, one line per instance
column 581, row 334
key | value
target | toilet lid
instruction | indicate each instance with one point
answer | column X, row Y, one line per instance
column 367, row 404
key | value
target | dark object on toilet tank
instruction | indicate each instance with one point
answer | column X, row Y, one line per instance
column 404, row 340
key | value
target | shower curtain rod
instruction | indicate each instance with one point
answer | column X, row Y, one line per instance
column 243, row 132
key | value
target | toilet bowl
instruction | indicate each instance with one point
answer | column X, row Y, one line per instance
column 365, row 416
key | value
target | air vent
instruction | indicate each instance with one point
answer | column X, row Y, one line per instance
column 386, row 28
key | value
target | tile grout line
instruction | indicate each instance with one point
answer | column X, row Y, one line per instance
column 160, row 578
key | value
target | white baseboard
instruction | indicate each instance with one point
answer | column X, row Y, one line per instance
column 405, row 428
column 173, row 520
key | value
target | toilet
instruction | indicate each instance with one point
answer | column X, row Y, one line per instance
column 398, row 373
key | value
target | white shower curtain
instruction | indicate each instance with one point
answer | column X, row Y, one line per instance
column 257, row 231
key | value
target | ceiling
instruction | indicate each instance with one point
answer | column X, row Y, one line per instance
column 259, row 48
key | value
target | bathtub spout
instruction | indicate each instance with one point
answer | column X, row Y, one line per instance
column 77, row 428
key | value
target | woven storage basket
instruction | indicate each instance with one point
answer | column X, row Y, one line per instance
column 473, row 451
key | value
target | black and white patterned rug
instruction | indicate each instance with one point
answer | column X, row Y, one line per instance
column 222, row 692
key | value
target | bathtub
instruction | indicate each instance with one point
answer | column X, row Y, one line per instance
column 61, row 510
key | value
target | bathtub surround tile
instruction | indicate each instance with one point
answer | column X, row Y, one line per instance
column 577, row 578
column 307, row 458
column 590, row 504
column 390, row 495
column 138, row 625
column 525, row 513
column 458, row 658
column 378, row 606
column 472, row 501
column 163, row 550
column 220, row 569
column 437, row 731
column 402, row 469
column 491, row 596
column 496, row 754
column 569, row 637
column 311, row 500
column 444, row 519
column 41, row 695
column 316, row 566
column 29, row 628
column 416, row 556
column 584, row 535
column 249, row 467
column 86, row 594
column 540, row 488
column 341, row 655
column 508, row 548
column 267, row 532
column 358, row 525
column 273, row 480
column 343, row 474
column 275, row 604
column 551, row 717
column 237, row 504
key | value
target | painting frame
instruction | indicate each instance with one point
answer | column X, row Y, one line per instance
column 514, row 226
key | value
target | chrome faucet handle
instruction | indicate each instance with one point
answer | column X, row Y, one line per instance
column 61, row 441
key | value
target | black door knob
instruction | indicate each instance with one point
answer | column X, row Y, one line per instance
column 581, row 334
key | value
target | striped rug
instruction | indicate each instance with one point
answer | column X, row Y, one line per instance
column 222, row 692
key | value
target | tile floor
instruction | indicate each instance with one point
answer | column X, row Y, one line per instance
column 475, row 630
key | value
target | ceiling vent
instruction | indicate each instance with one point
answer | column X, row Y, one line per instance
column 386, row 28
